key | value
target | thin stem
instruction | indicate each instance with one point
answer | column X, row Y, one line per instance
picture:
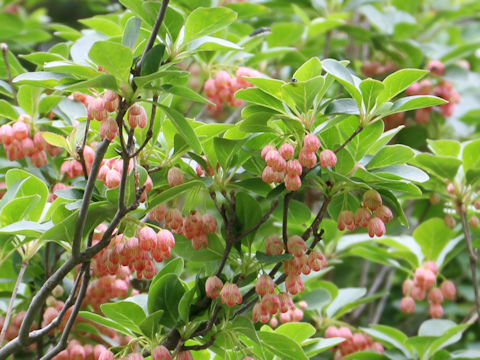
column 153, row 35
column 473, row 259
column 81, row 148
column 9, row 73
column 359, row 129
column 12, row 300
column 262, row 221
column 150, row 127
column 286, row 203
column 87, row 197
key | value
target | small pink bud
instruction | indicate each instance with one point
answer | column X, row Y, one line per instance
column 328, row 159
column 20, row 130
column 449, row 221
column 160, row 352
column 372, row 200
column 231, row 295
column 184, row 355
column 407, row 287
column 213, row 287
column 287, row 151
column 266, row 150
column 286, row 302
column 384, row 213
column 274, row 245
column 147, row 238
column 376, row 227
column 306, row 158
column 432, row 266
column 435, row 296
column 436, row 311
column 296, row 245
column 436, row 67
column 293, row 183
column 264, row 285
column 331, row 332
column 137, row 116
column 448, row 289
column 346, row 219
column 473, row 221
column 270, row 303
column 418, row 293
column 294, row 284
column 311, row 143
column 345, row 332
column 209, row 223
column 111, row 100
column 362, row 217
column 175, row 177
column 112, row 179
column 294, row 168
column 268, row 175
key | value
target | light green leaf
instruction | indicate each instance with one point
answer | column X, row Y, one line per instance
column 432, row 236
column 113, row 57
column 397, row 82
column 344, row 77
column 282, row 346
column 370, row 89
column 183, row 127
column 391, row 155
column 207, row 21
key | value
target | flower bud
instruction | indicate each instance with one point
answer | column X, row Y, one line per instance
column 473, row 221
column 384, row 213
column 287, row 151
column 436, row 67
column 231, row 295
column 293, row 183
column 294, row 284
column 137, row 116
column 436, row 310
column 112, row 179
column 346, row 219
column 264, row 285
column 266, row 150
column 20, row 130
column 160, row 352
column 328, row 159
column 376, row 227
column 175, row 177
column 435, row 296
column 307, row 159
column 213, row 287
column 111, row 100
column 372, row 200
column 448, row 289
column 311, row 143
column 294, row 168
column 407, row 287
column 274, row 245
column 296, row 245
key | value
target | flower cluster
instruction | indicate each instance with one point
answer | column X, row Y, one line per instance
column 223, row 87
column 194, row 226
column 375, row 68
column 282, row 167
column 18, row 143
column 14, row 325
column 443, row 89
column 373, row 215
column 229, row 293
column 73, row 168
column 294, row 314
column 138, row 253
column 422, row 284
column 353, row 342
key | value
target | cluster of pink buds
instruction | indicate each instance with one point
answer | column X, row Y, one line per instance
column 223, row 87
column 73, row 168
column 443, row 89
column 108, row 287
column 18, row 144
column 57, row 186
column 14, row 325
column 354, row 342
column 230, row 294
column 373, row 215
column 139, row 253
column 194, row 226
column 294, row 314
column 375, row 68
column 423, row 284
column 76, row 351
column 282, row 167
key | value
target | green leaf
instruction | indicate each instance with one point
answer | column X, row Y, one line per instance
column 317, row 298
column 470, row 155
column 165, row 295
column 298, row 332
column 7, row 110
column 397, row 82
column 18, row 209
column 303, row 93
column 153, row 60
column 282, row 346
column 257, row 96
column 272, row 87
column 105, row 322
column 443, row 166
column 103, row 81
column 55, row 140
column 102, row 25
column 271, row 259
column 185, row 93
column 173, row 267
column 171, row 193
column 113, row 57
column 343, row 106
column 414, row 102
column 207, row 21
column 317, row 346
column 44, row 79
column 370, row 89
column 27, row 228
column 247, row 10
column 130, row 34
column 445, row 147
column 310, row 69
column 390, row 155
column 185, row 303
column 344, row 77
column 183, row 127
column 125, row 313
column 28, row 97
column 390, row 335
column 432, row 236
column 211, row 43
column 226, row 149
column 149, row 326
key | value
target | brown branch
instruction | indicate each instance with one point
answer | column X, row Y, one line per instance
column 356, row 132
column 199, row 347
column 473, row 256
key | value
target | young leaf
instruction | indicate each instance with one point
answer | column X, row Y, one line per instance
column 397, row 82
column 113, row 57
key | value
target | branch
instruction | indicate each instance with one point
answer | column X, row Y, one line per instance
column 62, row 344
column 9, row 73
column 81, row 148
column 153, row 35
column 262, row 221
column 87, row 197
column 356, row 132
column 473, row 258
column 199, row 347
column 12, row 300
column 286, row 203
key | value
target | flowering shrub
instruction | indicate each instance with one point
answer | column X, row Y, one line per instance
column 213, row 180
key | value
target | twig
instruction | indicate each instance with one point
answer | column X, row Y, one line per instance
column 286, row 203
column 87, row 197
column 9, row 73
column 473, row 258
column 153, row 35
column 81, row 148
column 66, row 332
column 12, row 300
column 356, row 132
column 199, row 347
column 262, row 221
